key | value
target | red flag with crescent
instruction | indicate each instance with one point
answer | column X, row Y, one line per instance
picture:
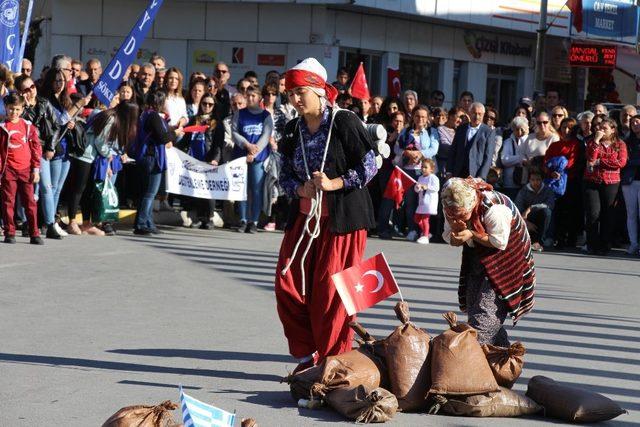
column 394, row 88
column 398, row 183
column 366, row 284
column 359, row 86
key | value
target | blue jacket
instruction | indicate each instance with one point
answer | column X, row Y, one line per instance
column 473, row 158
column 559, row 185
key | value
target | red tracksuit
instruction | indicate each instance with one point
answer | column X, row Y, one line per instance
column 20, row 153
column 319, row 322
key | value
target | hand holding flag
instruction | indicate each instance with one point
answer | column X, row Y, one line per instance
column 366, row 284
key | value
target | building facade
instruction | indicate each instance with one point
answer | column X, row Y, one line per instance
column 485, row 47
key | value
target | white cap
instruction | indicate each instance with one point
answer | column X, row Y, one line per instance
column 313, row 66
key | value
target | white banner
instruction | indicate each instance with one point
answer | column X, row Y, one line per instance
column 190, row 177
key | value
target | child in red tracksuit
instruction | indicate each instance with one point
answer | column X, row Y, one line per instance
column 20, row 154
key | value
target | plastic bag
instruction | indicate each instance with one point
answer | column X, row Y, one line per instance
column 144, row 416
column 506, row 362
column 504, row 403
column 458, row 364
column 363, row 406
column 407, row 359
column 349, row 370
column 571, row 403
column 106, row 206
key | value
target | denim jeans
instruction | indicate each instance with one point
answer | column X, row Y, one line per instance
column 541, row 217
column 45, row 190
column 255, row 184
column 59, row 169
column 150, row 185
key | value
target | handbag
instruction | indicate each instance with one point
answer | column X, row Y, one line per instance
column 106, row 205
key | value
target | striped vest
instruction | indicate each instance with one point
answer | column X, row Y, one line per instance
column 511, row 271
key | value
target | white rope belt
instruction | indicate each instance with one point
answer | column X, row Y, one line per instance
column 315, row 213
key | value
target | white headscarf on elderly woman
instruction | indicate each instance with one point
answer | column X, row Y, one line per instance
column 461, row 197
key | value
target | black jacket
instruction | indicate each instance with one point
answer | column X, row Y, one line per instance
column 349, row 209
column 223, row 103
column 43, row 115
column 213, row 140
column 631, row 172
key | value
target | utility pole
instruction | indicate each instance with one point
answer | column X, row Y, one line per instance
column 538, row 83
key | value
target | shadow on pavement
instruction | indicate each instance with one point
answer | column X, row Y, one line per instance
column 34, row 359
column 204, row 354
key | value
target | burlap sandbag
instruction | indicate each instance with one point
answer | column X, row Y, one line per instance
column 377, row 406
column 144, row 416
column 503, row 403
column 505, row 362
column 349, row 370
column 407, row 360
column 458, row 364
column 571, row 403
column 301, row 382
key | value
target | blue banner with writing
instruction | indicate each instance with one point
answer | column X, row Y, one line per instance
column 610, row 20
column 112, row 76
column 10, row 34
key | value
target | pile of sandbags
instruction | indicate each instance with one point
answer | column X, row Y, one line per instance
column 466, row 376
column 450, row 374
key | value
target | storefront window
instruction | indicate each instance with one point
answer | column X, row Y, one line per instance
column 420, row 75
column 371, row 62
column 501, row 90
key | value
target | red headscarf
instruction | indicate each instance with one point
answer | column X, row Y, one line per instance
column 298, row 78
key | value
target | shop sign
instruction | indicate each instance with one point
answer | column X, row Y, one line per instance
column 271, row 60
column 592, row 55
column 477, row 44
column 610, row 20
column 204, row 57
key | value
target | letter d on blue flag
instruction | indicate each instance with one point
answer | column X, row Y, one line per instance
column 10, row 33
column 112, row 75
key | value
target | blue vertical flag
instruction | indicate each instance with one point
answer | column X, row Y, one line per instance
column 199, row 414
column 10, row 33
column 112, row 76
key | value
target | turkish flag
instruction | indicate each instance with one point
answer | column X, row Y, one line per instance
column 575, row 6
column 399, row 182
column 366, row 284
column 359, row 87
column 195, row 128
column 394, row 88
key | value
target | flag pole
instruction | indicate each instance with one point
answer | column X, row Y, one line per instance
column 394, row 277
column 25, row 35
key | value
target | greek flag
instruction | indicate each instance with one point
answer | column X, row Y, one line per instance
column 199, row 414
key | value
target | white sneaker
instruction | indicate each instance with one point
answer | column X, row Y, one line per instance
column 59, row 229
column 217, row 220
column 412, row 236
column 423, row 240
column 186, row 221
column 632, row 250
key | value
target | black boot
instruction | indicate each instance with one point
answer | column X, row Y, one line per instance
column 52, row 233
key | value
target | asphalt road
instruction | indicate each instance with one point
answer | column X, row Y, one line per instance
column 89, row 325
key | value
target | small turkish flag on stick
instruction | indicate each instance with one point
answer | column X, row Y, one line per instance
column 398, row 183
column 359, row 87
column 366, row 284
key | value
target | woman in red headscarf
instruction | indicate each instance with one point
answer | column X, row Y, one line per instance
column 327, row 160
column 497, row 275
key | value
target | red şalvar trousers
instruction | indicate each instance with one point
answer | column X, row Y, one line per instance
column 319, row 322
